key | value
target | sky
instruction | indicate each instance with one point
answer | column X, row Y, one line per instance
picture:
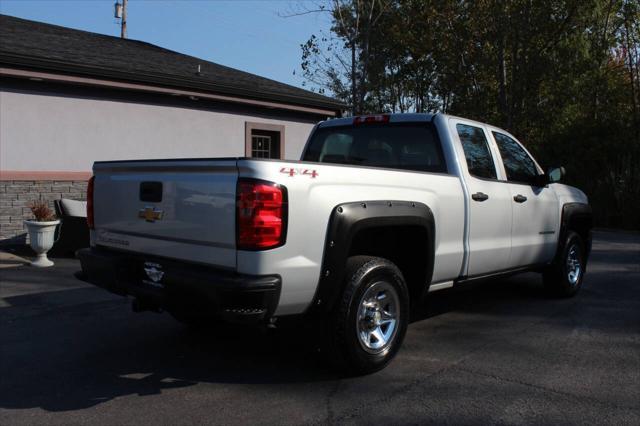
column 250, row 35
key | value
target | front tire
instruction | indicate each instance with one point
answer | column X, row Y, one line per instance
column 370, row 320
column 564, row 277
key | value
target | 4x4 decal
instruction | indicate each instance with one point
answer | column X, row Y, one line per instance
column 294, row 172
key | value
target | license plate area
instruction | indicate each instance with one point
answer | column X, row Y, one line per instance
column 152, row 274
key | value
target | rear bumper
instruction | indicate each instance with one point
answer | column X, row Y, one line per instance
column 182, row 286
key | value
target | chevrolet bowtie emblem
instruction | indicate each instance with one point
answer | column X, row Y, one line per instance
column 150, row 214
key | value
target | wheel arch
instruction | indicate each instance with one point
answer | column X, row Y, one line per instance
column 400, row 231
column 576, row 217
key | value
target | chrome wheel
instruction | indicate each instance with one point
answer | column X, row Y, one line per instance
column 574, row 267
column 378, row 316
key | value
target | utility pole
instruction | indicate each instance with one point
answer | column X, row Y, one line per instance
column 123, row 28
column 121, row 13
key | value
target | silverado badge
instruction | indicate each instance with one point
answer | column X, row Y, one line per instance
column 150, row 214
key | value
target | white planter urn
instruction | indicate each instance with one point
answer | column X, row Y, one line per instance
column 41, row 236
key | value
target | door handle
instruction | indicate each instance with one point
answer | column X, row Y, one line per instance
column 519, row 198
column 480, row 196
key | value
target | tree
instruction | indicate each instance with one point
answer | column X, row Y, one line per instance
column 562, row 75
column 342, row 62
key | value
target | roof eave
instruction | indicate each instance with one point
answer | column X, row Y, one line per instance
column 11, row 59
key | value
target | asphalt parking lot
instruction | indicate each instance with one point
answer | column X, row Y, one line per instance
column 501, row 352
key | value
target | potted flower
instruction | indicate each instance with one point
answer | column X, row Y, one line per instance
column 41, row 232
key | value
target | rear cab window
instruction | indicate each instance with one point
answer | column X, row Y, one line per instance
column 402, row 146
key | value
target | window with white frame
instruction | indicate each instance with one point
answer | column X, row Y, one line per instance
column 264, row 140
column 261, row 147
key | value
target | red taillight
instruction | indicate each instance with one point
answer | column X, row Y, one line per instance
column 369, row 119
column 90, row 221
column 261, row 213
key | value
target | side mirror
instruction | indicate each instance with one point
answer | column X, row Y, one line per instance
column 555, row 174
column 541, row 181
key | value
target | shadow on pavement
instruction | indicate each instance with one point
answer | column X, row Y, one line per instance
column 72, row 358
column 82, row 351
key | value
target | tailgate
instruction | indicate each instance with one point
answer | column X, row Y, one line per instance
column 180, row 209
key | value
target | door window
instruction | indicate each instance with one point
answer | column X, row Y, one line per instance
column 517, row 163
column 476, row 151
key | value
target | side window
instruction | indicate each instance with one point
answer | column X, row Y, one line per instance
column 517, row 163
column 476, row 151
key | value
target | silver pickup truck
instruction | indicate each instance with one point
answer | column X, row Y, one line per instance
column 379, row 211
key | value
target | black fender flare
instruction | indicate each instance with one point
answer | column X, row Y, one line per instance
column 346, row 221
column 576, row 217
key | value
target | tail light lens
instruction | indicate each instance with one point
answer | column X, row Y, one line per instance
column 261, row 214
column 90, row 221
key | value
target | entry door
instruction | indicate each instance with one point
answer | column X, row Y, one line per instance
column 535, row 224
column 489, row 202
column 535, row 208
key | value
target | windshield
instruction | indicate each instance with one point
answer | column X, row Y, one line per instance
column 405, row 146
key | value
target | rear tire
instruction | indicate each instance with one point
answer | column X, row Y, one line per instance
column 564, row 277
column 369, row 322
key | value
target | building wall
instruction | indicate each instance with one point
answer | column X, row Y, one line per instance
column 66, row 130
column 68, row 133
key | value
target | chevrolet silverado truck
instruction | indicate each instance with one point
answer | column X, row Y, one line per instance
column 379, row 211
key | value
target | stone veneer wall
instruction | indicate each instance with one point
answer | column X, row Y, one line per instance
column 15, row 196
